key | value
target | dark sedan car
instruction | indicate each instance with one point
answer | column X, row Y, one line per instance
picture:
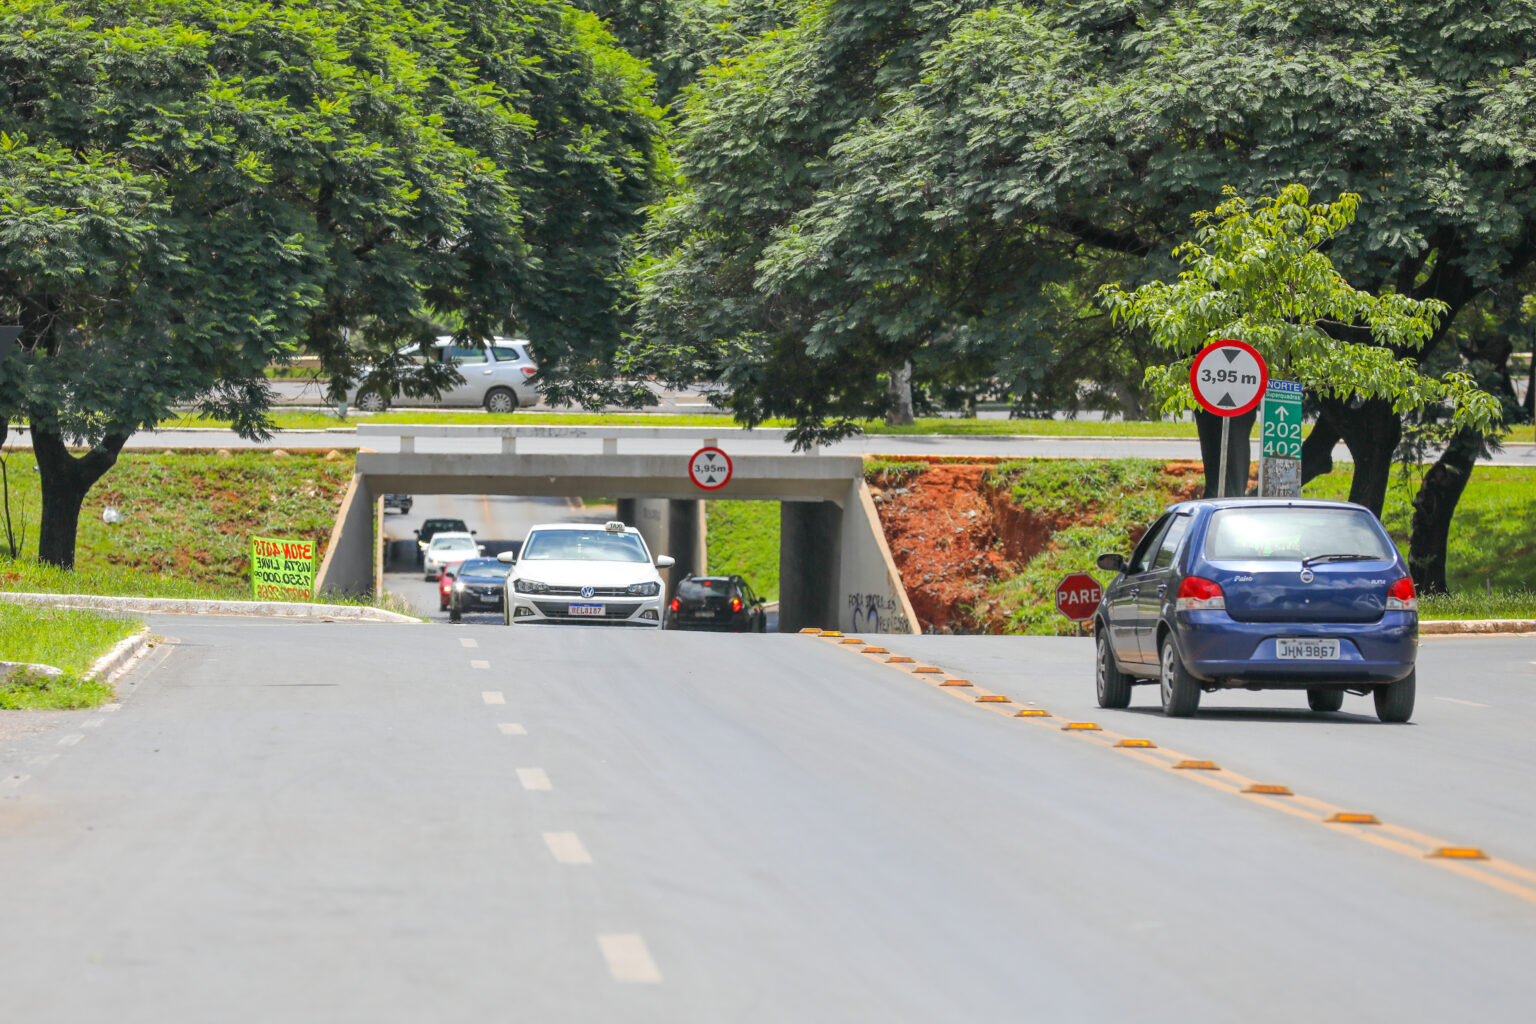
column 479, row 585
column 722, row 603
column 1260, row 594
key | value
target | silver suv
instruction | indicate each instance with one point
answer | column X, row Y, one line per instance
column 496, row 377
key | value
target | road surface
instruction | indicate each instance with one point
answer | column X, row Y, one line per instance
column 377, row 823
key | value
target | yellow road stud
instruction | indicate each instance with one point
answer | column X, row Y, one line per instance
column 1458, row 853
column 1135, row 743
column 1203, row 766
column 1032, row 713
column 1264, row 789
column 898, row 660
column 829, row 632
column 1081, row 727
column 956, row 682
column 929, row 670
column 1351, row 818
column 850, row 640
column 993, row 698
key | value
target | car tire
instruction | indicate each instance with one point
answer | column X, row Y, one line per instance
column 1180, row 690
column 454, row 613
column 372, row 401
column 502, row 400
column 1394, row 701
column 1321, row 699
column 1111, row 686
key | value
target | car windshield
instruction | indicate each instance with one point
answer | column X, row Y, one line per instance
column 583, row 546
column 1293, row 534
column 453, row 543
column 697, row 588
column 474, row 566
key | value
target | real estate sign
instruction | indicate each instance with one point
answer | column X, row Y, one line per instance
column 282, row 570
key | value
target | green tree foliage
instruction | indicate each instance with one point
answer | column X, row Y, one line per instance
column 189, row 189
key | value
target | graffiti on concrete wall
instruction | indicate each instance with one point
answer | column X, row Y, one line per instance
column 877, row 613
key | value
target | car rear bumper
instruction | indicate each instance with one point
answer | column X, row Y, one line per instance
column 1221, row 651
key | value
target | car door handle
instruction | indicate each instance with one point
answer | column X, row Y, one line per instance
column 1133, row 591
column 1162, row 588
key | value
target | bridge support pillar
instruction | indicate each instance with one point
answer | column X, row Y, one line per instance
column 810, row 533
column 686, row 535
column 653, row 518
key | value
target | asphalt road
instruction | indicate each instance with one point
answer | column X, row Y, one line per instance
column 334, row 822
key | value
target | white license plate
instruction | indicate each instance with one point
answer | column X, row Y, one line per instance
column 1307, row 650
column 585, row 609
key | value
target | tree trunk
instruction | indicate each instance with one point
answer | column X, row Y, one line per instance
column 65, row 479
column 900, row 414
column 1317, row 451
column 1371, row 430
column 1433, row 508
column 1239, row 455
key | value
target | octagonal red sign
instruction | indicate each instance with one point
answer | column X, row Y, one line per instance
column 1077, row 595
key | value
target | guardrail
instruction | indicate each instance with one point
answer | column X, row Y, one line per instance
column 610, row 437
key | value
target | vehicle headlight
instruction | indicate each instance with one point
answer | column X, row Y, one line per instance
column 458, row 584
column 529, row 587
column 643, row 589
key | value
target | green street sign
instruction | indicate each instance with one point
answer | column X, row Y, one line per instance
column 282, row 570
column 1281, row 422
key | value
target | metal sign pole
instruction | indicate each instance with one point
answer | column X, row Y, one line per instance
column 1221, row 481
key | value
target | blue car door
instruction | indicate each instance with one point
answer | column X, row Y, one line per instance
column 1125, row 592
column 1161, row 575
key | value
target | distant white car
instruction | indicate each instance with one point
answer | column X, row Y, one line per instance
column 449, row 549
column 497, row 376
column 574, row 573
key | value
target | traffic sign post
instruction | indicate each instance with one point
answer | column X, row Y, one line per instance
column 710, row 468
column 1228, row 378
column 1280, row 441
column 1078, row 595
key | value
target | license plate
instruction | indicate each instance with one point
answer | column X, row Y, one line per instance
column 585, row 609
column 1307, row 650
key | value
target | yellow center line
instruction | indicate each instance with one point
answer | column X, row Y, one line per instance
column 1493, row 872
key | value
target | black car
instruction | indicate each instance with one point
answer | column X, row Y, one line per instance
column 722, row 603
column 431, row 528
column 480, row 584
column 398, row 503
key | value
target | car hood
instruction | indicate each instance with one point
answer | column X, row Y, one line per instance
column 482, row 578
column 557, row 573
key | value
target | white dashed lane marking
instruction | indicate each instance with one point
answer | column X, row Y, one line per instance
column 42, row 759
column 1468, row 703
column 479, row 664
column 628, row 959
column 469, row 641
column 493, row 697
column 567, row 848
column 71, row 739
column 512, row 729
column 13, row 781
column 93, row 723
column 533, row 778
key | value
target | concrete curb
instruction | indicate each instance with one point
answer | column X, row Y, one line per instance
column 1472, row 627
column 183, row 606
column 122, row 654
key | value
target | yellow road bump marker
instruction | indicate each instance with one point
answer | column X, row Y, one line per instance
column 1458, row 853
column 993, row 699
column 850, row 640
column 1204, row 766
column 1350, row 818
column 956, row 682
column 1263, row 789
column 811, row 629
column 874, row 650
column 1081, row 727
column 1033, row 713
column 829, row 632
column 929, row 670
column 898, row 660
column 1136, row 743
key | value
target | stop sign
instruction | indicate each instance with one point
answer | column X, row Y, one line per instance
column 1077, row 596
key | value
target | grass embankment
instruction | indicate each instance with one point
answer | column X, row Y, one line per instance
column 187, row 521
column 66, row 639
column 1100, row 504
column 743, row 538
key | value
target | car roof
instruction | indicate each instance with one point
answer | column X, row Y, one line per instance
column 440, row 521
column 1237, row 502
column 575, row 526
column 451, row 535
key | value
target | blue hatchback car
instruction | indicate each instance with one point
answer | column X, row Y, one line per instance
column 1267, row 593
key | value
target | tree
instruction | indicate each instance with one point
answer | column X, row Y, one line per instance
column 1260, row 273
column 191, row 189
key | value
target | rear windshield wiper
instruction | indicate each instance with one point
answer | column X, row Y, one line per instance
column 1340, row 558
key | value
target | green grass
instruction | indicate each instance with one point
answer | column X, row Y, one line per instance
column 743, row 537
column 64, row 638
column 1479, row 604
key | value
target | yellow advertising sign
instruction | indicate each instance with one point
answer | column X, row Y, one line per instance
column 282, row 570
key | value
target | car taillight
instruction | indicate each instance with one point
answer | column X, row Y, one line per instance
column 529, row 371
column 1198, row 594
column 1402, row 597
column 735, row 604
column 675, row 605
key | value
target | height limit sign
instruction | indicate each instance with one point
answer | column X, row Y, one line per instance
column 710, row 468
column 1228, row 379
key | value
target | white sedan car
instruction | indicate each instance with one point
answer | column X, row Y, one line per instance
column 570, row 572
column 446, row 550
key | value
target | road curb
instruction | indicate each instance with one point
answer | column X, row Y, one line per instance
column 122, row 654
column 1473, row 627
column 186, row 606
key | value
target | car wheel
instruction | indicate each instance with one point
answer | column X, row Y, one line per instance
column 372, row 401
column 1319, row 699
column 1181, row 693
column 1112, row 686
column 1394, row 701
column 500, row 400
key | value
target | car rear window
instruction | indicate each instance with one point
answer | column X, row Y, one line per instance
column 1293, row 534
column 704, row 588
column 452, row 543
column 445, row 525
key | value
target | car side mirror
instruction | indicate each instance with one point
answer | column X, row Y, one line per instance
column 665, row 561
column 480, row 548
column 416, row 532
column 506, row 557
column 474, row 533
column 1111, row 563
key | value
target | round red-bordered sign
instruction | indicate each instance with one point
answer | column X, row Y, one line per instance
column 1234, row 383
column 710, row 468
